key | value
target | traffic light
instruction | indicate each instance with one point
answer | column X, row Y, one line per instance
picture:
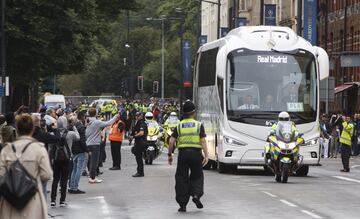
column 140, row 83
column 155, row 87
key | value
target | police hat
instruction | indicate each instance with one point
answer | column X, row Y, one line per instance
column 188, row 107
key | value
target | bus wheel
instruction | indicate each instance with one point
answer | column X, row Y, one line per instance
column 207, row 166
column 302, row 171
column 225, row 168
column 213, row 165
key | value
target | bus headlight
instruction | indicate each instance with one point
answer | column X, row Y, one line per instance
column 311, row 142
column 232, row 141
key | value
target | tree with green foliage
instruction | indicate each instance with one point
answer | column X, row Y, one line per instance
column 54, row 38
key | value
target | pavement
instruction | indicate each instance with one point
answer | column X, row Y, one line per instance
column 247, row 193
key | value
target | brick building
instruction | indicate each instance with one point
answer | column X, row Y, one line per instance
column 339, row 35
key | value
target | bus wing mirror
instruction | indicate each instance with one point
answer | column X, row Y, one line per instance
column 323, row 60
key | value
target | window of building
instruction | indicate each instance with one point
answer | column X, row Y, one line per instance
column 352, row 41
column 207, row 68
column 242, row 5
column 341, row 36
column 331, row 40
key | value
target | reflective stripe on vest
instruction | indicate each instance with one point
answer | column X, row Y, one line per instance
column 115, row 135
column 189, row 134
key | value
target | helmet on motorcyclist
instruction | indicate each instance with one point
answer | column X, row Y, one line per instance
column 284, row 116
column 173, row 114
column 149, row 116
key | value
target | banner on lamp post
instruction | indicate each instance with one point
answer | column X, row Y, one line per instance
column 310, row 13
column 224, row 31
column 270, row 14
column 202, row 40
column 240, row 21
column 187, row 63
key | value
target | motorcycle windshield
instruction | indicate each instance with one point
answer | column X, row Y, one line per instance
column 284, row 131
column 153, row 128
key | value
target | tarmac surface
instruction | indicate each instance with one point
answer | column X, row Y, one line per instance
column 247, row 193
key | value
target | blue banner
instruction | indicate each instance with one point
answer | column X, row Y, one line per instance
column 202, row 40
column 187, row 63
column 310, row 32
column 270, row 14
column 224, row 31
column 240, row 21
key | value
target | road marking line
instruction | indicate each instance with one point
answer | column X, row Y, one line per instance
column 311, row 214
column 94, row 198
column 347, row 179
column 269, row 194
column 355, row 166
column 288, row 203
column 103, row 204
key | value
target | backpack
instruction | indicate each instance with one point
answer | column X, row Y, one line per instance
column 17, row 186
column 62, row 153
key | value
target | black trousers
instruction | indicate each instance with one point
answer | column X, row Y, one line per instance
column 345, row 156
column 94, row 160
column 189, row 185
column 116, row 153
column 102, row 157
column 61, row 174
column 138, row 151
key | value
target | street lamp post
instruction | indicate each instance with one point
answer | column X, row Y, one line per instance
column 162, row 19
column 130, row 66
column 3, row 54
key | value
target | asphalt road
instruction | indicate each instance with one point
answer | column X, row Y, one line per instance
column 246, row 193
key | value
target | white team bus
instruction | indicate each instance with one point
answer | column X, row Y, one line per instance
column 244, row 80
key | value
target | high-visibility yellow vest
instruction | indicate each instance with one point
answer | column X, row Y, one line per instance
column 114, row 110
column 346, row 133
column 189, row 134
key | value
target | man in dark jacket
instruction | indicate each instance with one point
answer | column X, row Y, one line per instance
column 79, row 150
column 42, row 136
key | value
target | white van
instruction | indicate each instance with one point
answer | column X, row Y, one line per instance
column 54, row 101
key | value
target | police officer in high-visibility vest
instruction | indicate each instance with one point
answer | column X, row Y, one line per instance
column 345, row 140
column 190, row 136
column 116, row 137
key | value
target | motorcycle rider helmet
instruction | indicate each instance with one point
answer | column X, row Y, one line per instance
column 149, row 116
column 284, row 116
column 173, row 114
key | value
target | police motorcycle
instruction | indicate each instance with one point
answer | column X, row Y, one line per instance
column 282, row 151
column 169, row 127
column 153, row 145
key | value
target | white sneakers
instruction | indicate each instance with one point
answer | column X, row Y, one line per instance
column 96, row 180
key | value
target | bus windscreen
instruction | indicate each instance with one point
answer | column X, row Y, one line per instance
column 263, row 83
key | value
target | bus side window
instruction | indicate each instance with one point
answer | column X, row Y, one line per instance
column 207, row 68
column 220, row 85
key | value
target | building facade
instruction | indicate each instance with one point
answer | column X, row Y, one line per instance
column 339, row 35
column 231, row 10
column 209, row 17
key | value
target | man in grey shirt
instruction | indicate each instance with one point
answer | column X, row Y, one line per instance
column 93, row 140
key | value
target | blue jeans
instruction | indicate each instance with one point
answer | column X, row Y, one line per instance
column 44, row 187
column 78, row 166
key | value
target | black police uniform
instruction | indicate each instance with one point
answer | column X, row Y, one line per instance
column 189, row 185
column 139, row 147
